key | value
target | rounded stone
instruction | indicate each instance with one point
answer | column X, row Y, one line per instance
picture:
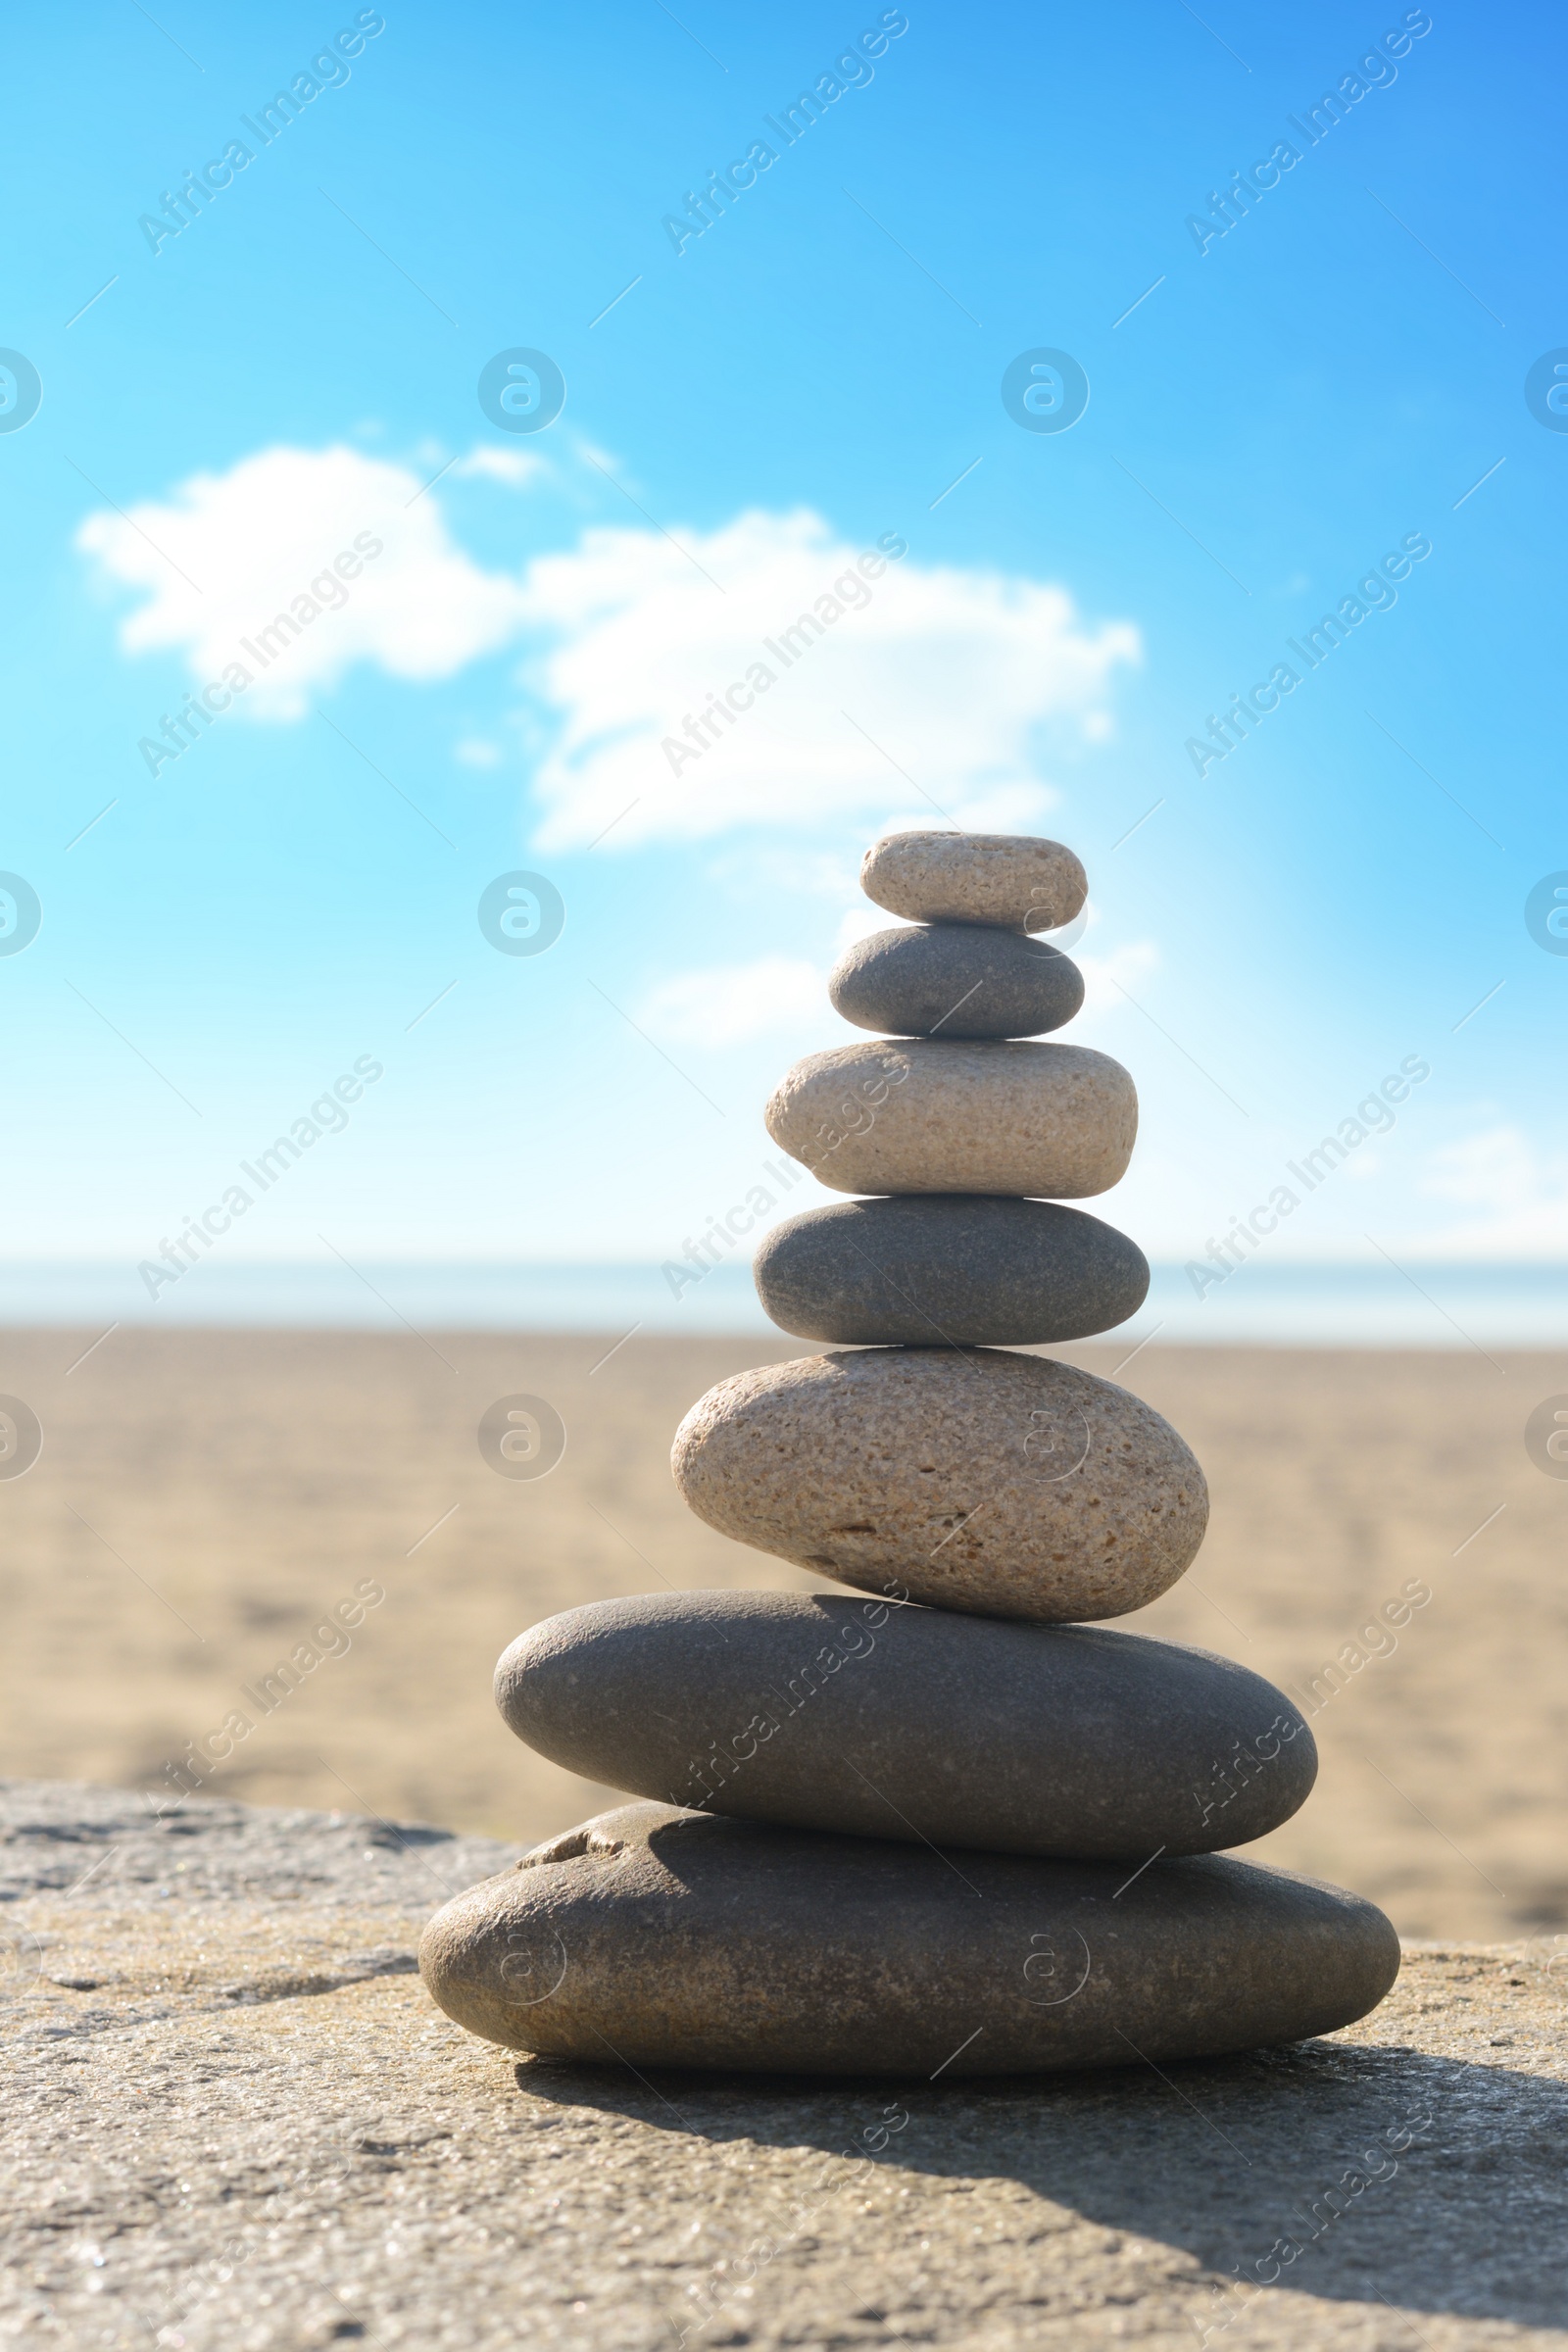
column 823, row 1712
column 922, row 1115
column 947, row 1269
column 957, row 980
column 1016, row 879
column 656, row 1938
column 1011, row 1486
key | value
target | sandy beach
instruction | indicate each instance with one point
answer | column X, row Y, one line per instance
column 204, row 1499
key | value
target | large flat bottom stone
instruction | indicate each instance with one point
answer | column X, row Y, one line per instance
column 224, row 2128
column 656, row 1937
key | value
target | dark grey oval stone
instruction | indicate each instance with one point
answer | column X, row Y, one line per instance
column 947, row 1269
column 654, row 1938
column 955, row 980
column 830, row 1712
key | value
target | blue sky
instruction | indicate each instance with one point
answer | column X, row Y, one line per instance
column 1272, row 412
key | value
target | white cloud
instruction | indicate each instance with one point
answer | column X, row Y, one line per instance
column 859, row 920
column 728, row 1003
column 1113, row 979
column 826, row 872
column 936, row 678
column 515, row 467
column 231, row 551
column 1518, row 1199
column 1495, row 1169
column 928, row 696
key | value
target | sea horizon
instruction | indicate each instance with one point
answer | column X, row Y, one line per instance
column 1438, row 1303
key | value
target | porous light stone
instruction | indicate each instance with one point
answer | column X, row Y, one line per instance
column 1012, row 1486
column 955, row 980
column 1016, row 879
column 823, row 1712
column 925, row 1115
column 657, row 1938
column 934, row 1269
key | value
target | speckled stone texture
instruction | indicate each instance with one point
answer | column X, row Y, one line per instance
column 941, row 1269
column 957, row 980
column 222, row 2133
column 825, row 1712
column 1014, row 879
column 1011, row 1484
column 924, row 1116
column 674, row 1939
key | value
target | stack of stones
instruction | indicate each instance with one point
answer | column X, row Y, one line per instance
column 952, row 1828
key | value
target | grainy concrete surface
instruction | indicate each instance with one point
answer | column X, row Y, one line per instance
column 233, row 2119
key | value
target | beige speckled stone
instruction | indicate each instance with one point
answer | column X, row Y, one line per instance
column 670, row 1938
column 1014, row 879
column 923, row 1116
column 1012, row 1486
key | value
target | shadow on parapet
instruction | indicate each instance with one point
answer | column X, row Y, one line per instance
column 1461, row 2203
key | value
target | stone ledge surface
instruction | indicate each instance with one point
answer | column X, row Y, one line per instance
column 233, row 2119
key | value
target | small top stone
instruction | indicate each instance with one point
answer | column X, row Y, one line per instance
column 1015, row 880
